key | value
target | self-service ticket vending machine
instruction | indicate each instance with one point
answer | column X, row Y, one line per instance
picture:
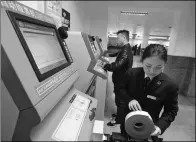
column 86, row 56
column 39, row 102
column 96, row 64
column 81, row 59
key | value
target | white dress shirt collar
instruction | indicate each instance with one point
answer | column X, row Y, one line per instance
column 147, row 76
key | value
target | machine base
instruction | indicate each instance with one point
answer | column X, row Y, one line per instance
column 118, row 137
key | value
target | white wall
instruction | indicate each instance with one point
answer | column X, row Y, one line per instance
column 97, row 20
column 78, row 18
column 185, row 35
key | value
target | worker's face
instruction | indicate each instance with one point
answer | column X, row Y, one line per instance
column 120, row 39
column 153, row 66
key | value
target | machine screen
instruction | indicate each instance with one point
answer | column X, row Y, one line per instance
column 43, row 45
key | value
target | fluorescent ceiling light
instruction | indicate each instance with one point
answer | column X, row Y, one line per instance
column 158, row 37
column 134, row 13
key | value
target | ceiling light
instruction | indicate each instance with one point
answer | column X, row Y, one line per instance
column 134, row 13
column 158, row 37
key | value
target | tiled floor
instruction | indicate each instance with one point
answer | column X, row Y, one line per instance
column 182, row 129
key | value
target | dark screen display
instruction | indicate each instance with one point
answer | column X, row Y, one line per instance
column 43, row 45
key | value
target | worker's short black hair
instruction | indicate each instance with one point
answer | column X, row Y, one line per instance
column 125, row 33
column 155, row 50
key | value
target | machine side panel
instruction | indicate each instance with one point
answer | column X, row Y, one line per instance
column 81, row 59
column 18, row 58
column 9, row 115
column 13, row 83
column 100, row 95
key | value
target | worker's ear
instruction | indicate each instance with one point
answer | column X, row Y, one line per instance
column 124, row 37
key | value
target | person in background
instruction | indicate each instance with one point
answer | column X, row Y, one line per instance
column 123, row 62
column 139, row 50
column 134, row 50
column 148, row 89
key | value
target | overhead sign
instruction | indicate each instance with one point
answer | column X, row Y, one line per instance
column 66, row 19
column 25, row 10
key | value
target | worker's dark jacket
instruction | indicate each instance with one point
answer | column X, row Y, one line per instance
column 124, row 61
column 161, row 92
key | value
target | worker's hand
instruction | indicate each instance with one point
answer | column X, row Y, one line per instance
column 134, row 105
column 106, row 67
column 156, row 132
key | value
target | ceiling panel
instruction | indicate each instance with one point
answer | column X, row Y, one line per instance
column 158, row 22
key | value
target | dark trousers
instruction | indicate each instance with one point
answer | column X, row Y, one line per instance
column 122, row 110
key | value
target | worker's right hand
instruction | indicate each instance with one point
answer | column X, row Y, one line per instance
column 106, row 67
column 134, row 105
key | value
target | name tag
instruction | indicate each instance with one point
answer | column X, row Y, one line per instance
column 151, row 97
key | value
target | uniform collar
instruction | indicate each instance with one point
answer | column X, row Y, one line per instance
column 156, row 81
column 159, row 77
column 145, row 75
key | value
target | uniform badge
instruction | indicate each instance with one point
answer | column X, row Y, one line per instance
column 159, row 83
column 151, row 97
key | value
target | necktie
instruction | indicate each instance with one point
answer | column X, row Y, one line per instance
column 146, row 82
